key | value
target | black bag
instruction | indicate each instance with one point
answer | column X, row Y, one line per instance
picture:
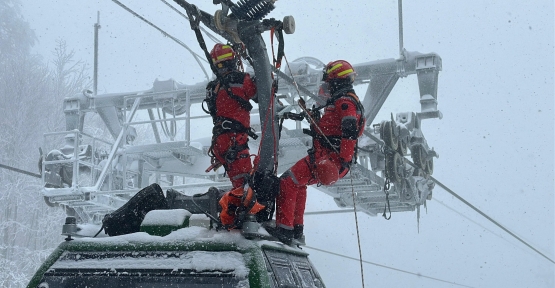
column 128, row 218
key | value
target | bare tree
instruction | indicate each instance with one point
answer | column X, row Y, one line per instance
column 31, row 97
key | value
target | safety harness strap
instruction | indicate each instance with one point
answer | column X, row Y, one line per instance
column 224, row 125
column 224, row 81
column 334, row 141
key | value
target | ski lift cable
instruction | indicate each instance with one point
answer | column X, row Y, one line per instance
column 329, row 212
column 386, row 267
column 356, row 224
column 468, row 204
column 468, row 218
column 350, row 175
column 341, row 211
column 212, row 37
column 20, row 171
column 195, row 55
column 489, row 218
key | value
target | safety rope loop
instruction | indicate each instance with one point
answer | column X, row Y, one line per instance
column 272, row 30
column 280, row 54
column 194, row 20
column 387, row 206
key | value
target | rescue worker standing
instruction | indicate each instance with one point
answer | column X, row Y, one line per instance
column 334, row 136
column 228, row 103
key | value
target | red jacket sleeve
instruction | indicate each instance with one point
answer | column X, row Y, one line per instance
column 249, row 86
column 348, row 116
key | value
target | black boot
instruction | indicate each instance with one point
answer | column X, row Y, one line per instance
column 298, row 234
column 282, row 234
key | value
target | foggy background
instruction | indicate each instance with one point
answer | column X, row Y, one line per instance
column 495, row 140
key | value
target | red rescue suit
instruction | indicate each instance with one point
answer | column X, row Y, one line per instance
column 231, row 120
column 342, row 123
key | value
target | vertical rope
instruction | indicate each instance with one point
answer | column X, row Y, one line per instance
column 358, row 233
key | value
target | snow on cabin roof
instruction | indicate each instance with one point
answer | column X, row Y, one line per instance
column 184, row 235
column 187, row 236
column 173, row 217
column 199, row 261
column 197, row 249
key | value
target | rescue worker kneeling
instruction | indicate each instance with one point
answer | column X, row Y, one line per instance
column 334, row 143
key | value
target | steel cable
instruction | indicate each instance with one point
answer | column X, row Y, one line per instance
column 387, row 267
column 195, row 55
column 468, row 204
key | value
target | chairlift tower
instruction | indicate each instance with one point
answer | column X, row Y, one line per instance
column 152, row 132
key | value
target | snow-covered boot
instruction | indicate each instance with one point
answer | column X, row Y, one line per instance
column 298, row 234
column 282, row 234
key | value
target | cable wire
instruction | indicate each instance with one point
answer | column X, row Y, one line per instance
column 212, row 37
column 489, row 218
column 477, row 224
column 329, row 212
column 387, row 267
column 21, row 171
column 469, row 205
column 195, row 55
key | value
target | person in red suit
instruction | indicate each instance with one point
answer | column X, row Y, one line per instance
column 228, row 103
column 334, row 135
column 227, row 100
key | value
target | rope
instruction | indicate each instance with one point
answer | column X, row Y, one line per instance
column 350, row 173
column 356, row 223
column 387, row 205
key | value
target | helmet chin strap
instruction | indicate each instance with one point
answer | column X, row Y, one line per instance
column 338, row 87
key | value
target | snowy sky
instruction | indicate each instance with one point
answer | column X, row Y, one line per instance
column 495, row 141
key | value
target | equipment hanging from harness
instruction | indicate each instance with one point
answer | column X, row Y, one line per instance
column 333, row 142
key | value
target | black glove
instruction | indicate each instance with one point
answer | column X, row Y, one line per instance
column 293, row 116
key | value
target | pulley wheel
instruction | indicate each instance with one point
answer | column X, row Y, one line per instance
column 388, row 137
column 218, row 20
column 430, row 166
column 394, row 167
column 419, row 158
column 402, row 147
column 288, row 24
